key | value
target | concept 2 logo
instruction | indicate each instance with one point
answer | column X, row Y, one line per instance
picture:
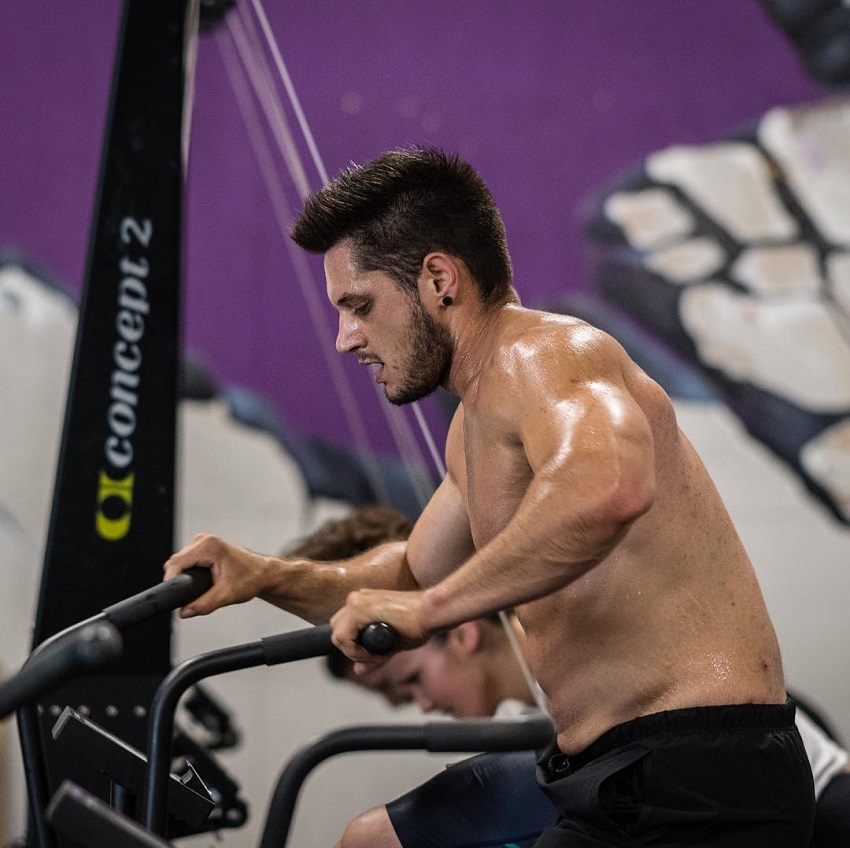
column 116, row 481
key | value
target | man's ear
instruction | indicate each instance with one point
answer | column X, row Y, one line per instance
column 466, row 637
column 439, row 279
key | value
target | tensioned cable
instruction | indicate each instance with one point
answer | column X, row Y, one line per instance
column 257, row 72
column 425, row 429
column 533, row 686
column 405, row 441
column 436, row 458
column 402, row 433
column 290, row 91
column 252, row 60
column 397, row 421
column 265, row 162
column 190, row 64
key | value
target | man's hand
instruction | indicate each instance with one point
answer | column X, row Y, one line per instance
column 401, row 610
column 238, row 575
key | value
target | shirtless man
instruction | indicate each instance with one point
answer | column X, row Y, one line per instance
column 572, row 496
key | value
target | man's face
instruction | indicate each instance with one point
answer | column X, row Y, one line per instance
column 384, row 326
column 438, row 677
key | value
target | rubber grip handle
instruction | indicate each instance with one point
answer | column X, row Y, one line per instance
column 378, row 638
column 164, row 597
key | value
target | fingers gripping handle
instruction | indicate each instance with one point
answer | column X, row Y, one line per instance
column 378, row 638
column 169, row 595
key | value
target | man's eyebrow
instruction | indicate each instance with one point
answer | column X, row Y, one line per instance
column 348, row 299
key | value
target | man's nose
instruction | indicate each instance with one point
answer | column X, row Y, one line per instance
column 349, row 337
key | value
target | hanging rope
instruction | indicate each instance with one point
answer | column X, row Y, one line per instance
column 303, row 275
column 252, row 65
column 190, row 65
column 252, row 56
column 397, row 421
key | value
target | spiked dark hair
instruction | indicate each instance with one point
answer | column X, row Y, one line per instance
column 405, row 204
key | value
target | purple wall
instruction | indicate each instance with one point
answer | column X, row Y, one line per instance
column 549, row 99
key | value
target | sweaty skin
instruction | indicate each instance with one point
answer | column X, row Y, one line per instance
column 658, row 606
column 570, row 494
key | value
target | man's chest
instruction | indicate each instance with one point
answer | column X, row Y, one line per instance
column 496, row 478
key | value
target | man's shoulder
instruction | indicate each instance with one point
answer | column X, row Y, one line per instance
column 535, row 344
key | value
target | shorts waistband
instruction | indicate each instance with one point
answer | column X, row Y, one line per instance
column 689, row 719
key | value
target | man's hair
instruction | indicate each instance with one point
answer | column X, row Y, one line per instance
column 360, row 530
column 405, row 204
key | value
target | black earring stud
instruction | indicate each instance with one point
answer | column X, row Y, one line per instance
column 447, row 301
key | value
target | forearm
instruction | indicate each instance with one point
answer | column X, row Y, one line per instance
column 315, row 590
column 542, row 549
column 311, row 590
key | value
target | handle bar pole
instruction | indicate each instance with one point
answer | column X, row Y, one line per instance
column 465, row 735
column 273, row 650
column 164, row 597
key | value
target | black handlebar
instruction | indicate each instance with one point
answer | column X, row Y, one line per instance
column 271, row 650
column 164, row 597
column 81, row 816
column 469, row 735
column 378, row 638
column 91, row 647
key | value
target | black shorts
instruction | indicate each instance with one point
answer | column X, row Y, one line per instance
column 725, row 777
column 482, row 802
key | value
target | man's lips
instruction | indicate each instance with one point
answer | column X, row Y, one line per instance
column 377, row 366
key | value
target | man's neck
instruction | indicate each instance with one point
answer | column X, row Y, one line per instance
column 476, row 332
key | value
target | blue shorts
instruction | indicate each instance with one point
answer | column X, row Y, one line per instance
column 487, row 801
